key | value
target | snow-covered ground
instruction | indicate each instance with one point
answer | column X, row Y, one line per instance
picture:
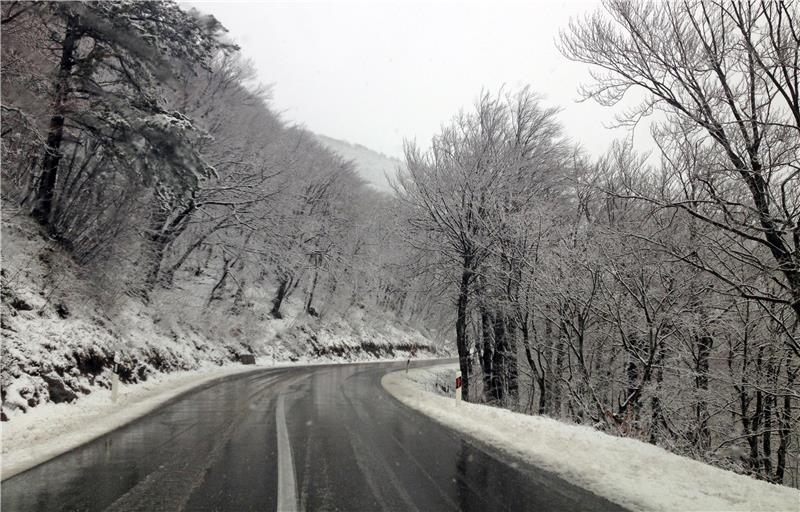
column 633, row 474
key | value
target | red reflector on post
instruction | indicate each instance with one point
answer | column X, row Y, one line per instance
column 458, row 381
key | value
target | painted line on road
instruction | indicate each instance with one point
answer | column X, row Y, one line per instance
column 287, row 490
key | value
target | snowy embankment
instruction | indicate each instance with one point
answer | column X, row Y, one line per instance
column 52, row 429
column 66, row 330
column 634, row 474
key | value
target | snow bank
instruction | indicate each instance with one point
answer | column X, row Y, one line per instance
column 438, row 379
column 52, row 429
column 633, row 474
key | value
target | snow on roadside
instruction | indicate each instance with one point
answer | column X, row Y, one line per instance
column 436, row 379
column 51, row 429
column 636, row 475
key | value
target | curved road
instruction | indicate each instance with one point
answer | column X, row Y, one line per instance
column 305, row 438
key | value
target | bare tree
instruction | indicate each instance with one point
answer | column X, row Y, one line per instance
column 725, row 75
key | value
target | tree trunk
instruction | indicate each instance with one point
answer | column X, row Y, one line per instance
column 548, row 381
column 206, row 261
column 219, row 288
column 487, row 355
column 309, row 307
column 498, row 362
column 157, row 244
column 755, row 424
column 766, row 437
column 558, row 368
column 658, row 419
column 542, row 394
column 781, row 251
column 537, row 377
column 748, row 427
column 163, row 232
column 169, row 274
column 45, row 192
column 785, row 422
column 510, row 360
column 238, row 297
column 461, row 327
column 704, row 344
column 632, row 408
column 280, row 294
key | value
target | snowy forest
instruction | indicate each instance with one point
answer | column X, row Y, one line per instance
column 652, row 294
column 158, row 212
column 151, row 148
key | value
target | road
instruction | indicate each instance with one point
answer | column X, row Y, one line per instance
column 304, row 438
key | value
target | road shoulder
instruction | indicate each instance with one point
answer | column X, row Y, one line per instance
column 636, row 475
column 50, row 430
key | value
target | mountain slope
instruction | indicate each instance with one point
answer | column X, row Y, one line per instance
column 374, row 167
column 61, row 337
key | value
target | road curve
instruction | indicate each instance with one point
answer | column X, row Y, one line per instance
column 305, row 438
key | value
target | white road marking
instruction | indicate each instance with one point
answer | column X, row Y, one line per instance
column 287, row 490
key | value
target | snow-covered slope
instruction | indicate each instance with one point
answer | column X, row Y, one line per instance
column 634, row 474
column 371, row 165
column 61, row 331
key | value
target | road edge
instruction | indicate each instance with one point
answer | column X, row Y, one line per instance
column 499, row 430
column 23, row 458
column 99, row 423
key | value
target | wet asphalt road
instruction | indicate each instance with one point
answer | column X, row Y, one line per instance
column 329, row 437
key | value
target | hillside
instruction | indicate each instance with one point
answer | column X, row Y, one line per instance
column 61, row 330
column 371, row 165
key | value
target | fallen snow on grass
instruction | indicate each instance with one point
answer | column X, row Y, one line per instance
column 636, row 475
column 51, row 429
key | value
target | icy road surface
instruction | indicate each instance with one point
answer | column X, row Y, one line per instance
column 306, row 438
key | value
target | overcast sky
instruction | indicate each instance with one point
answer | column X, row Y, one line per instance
column 376, row 72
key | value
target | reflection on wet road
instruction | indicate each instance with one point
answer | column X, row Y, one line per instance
column 351, row 446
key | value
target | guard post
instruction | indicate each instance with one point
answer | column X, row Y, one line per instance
column 114, row 381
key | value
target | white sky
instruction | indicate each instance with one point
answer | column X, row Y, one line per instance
column 381, row 71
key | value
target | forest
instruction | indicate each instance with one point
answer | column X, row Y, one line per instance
column 141, row 141
column 656, row 295
column 650, row 294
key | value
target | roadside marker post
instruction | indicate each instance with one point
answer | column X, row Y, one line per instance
column 114, row 382
column 458, row 387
